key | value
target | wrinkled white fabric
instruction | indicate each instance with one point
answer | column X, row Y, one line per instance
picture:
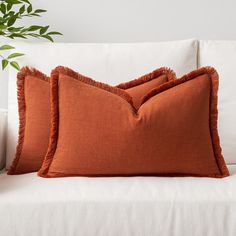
column 183, row 206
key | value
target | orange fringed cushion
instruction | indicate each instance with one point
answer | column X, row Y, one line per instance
column 34, row 113
column 96, row 130
column 33, row 93
column 139, row 87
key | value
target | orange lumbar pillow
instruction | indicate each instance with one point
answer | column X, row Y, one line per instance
column 33, row 94
column 34, row 112
column 139, row 87
column 96, row 129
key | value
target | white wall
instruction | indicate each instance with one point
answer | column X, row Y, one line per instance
column 135, row 21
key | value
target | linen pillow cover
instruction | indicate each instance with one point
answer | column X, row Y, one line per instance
column 34, row 113
column 33, row 94
column 139, row 87
column 173, row 132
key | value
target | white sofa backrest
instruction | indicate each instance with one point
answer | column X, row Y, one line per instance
column 109, row 63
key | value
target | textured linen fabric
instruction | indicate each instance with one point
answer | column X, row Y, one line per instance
column 108, row 63
column 34, row 110
column 117, row 206
column 150, row 140
column 34, row 126
column 138, row 88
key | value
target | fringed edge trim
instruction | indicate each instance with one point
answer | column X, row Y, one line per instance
column 214, row 124
column 213, row 75
column 170, row 74
column 21, row 76
column 54, row 120
column 67, row 71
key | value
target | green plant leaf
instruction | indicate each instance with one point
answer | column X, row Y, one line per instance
column 43, row 29
column 13, row 1
column 9, row 6
column 15, row 65
column 34, row 14
column 17, row 14
column 11, row 21
column 3, row 8
column 9, row 14
column 22, row 9
column 15, row 29
column 6, row 47
column 47, row 37
column 4, row 63
column 24, row 30
column 34, row 28
column 54, row 33
column 16, row 54
column 3, row 27
column 29, row 8
column 40, row 11
column 15, row 35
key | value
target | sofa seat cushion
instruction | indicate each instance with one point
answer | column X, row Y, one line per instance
column 118, row 206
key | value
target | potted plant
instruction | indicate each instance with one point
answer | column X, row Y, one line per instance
column 11, row 12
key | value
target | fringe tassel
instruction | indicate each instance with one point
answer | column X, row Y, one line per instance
column 170, row 74
column 214, row 123
column 67, row 71
column 54, row 120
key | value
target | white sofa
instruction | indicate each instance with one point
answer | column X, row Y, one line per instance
column 183, row 206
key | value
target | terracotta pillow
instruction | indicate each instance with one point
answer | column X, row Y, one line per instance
column 101, row 133
column 33, row 93
column 34, row 113
column 139, row 87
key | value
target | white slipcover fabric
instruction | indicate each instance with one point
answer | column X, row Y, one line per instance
column 3, row 134
column 222, row 56
column 182, row 206
column 109, row 63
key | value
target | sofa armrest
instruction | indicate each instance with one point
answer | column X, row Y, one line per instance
column 3, row 134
